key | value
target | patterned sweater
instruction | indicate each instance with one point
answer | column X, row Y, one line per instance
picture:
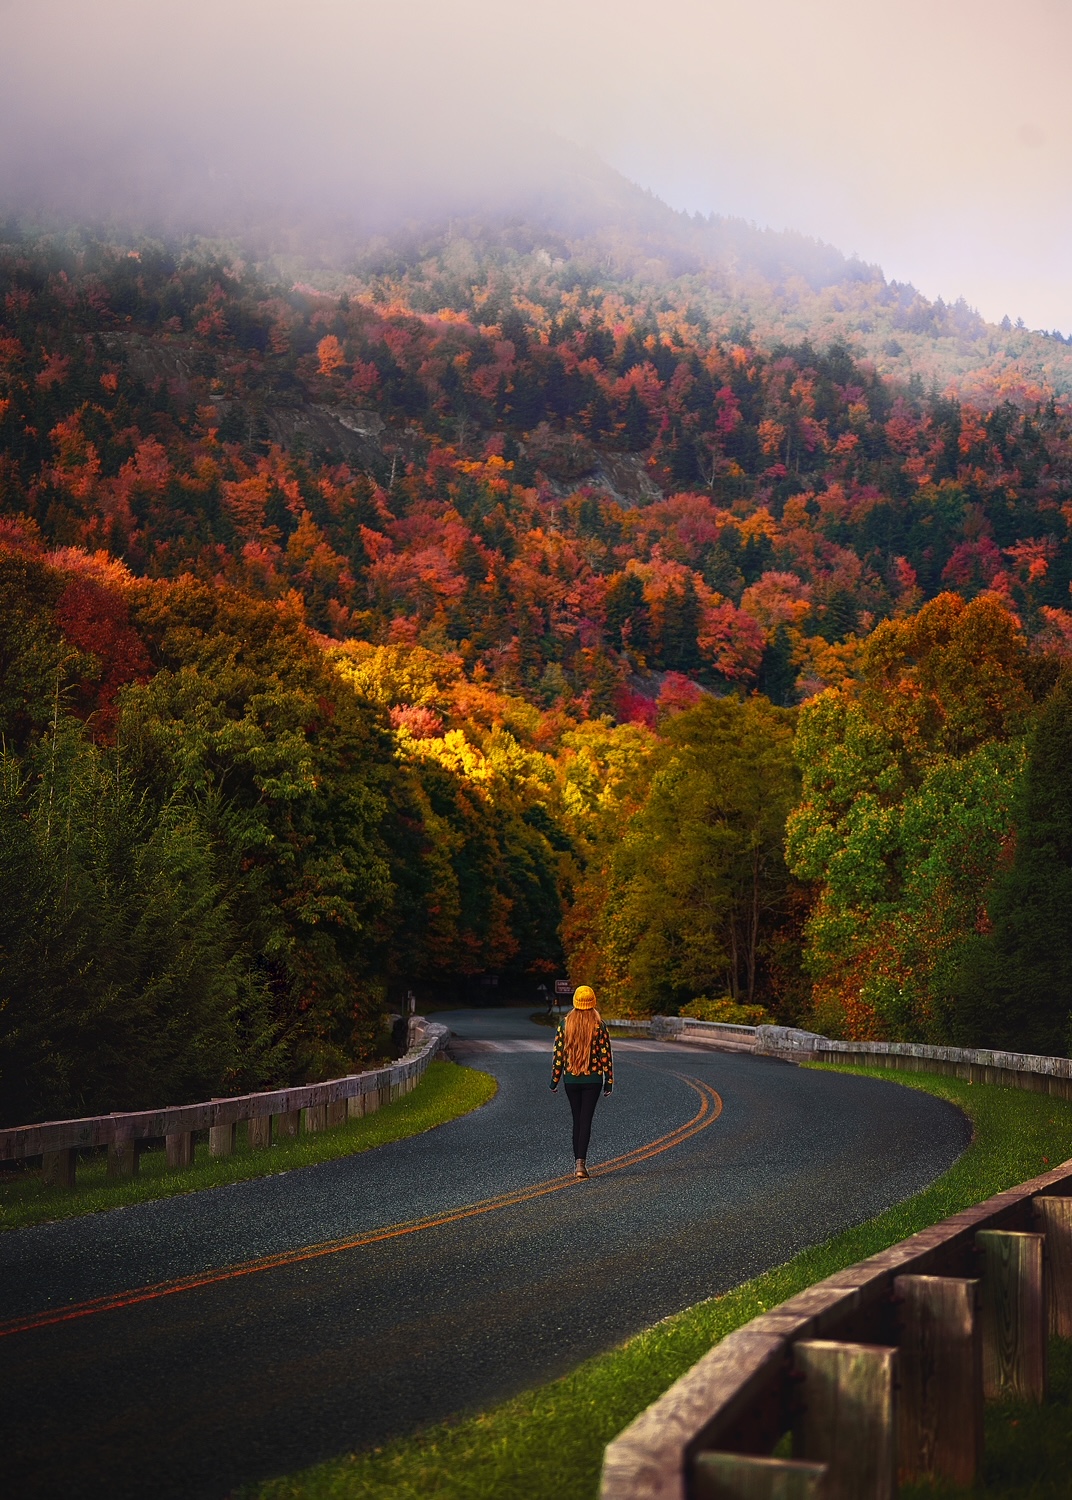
column 600, row 1060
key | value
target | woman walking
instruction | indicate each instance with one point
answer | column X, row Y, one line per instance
column 582, row 1051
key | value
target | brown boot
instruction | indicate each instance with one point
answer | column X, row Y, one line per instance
column 582, row 1170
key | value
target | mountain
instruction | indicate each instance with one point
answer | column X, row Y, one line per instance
column 530, row 199
column 483, row 441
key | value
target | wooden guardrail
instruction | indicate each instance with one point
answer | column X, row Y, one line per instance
column 275, row 1112
column 880, row 1371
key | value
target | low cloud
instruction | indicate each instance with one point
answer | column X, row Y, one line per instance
column 934, row 140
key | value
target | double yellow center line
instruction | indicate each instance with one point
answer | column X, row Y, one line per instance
column 710, row 1108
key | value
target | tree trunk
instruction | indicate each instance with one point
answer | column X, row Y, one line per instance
column 753, row 934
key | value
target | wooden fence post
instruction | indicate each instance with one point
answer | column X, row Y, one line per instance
column 940, row 1427
column 1055, row 1215
column 221, row 1140
column 260, row 1132
column 1015, row 1314
column 738, row 1476
column 286, row 1125
column 123, row 1159
column 58, row 1167
column 849, row 1417
column 179, row 1147
column 355, row 1106
column 314, row 1118
column 336, row 1113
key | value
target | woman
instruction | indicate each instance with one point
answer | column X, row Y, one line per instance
column 582, row 1049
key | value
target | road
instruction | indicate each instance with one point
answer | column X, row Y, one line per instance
column 250, row 1330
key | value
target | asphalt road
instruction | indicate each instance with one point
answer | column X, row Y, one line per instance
column 253, row 1329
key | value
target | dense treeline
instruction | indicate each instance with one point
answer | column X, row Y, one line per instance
column 910, row 781
column 694, row 898
column 216, row 853
column 458, row 627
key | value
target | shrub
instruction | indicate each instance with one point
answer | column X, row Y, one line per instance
column 727, row 1011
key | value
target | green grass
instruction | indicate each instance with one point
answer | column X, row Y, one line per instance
column 1028, row 1447
column 445, row 1092
column 547, row 1444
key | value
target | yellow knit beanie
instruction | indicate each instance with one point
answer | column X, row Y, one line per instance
column 584, row 997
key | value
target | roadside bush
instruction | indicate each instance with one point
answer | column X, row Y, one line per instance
column 728, row 1011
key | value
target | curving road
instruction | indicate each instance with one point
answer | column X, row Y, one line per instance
column 180, row 1348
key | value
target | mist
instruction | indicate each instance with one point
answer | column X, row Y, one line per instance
column 933, row 139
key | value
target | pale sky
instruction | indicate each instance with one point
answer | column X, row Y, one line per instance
column 931, row 136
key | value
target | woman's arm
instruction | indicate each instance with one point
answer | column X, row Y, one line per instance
column 558, row 1060
column 604, row 1058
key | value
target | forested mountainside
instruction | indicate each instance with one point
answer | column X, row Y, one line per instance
column 565, row 484
column 561, row 220
column 453, row 627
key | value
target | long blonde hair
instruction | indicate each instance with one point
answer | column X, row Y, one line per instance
column 581, row 1028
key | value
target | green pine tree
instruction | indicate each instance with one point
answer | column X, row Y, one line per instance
column 777, row 675
column 681, row 622
column 1014, row 989
column 637, row 429
column 628, row 621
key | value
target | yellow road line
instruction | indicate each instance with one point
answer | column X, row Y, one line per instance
column 708, row 1112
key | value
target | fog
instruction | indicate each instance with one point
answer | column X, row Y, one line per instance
column 934, row 139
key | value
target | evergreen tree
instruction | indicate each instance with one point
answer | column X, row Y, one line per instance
column 513, row 328
column 637, row 428
column 627, row 616
column 840, row 617
column 777, row 675
column 126, row 983
column 680, row 650
column 598, row 342
column 1014, row 989
column 684, row 466
column 631, row 354
column 526, row 401
column 603, row 685
column 599, row 415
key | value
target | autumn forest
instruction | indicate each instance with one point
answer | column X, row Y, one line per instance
column 487, row 615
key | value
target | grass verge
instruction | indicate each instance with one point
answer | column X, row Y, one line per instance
column 445, row 1092
column 547, row 1444
column 1028, row 1448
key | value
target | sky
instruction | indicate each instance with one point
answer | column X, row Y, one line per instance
column 932, row 137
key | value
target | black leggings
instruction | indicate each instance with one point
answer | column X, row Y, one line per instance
column 583, row 1098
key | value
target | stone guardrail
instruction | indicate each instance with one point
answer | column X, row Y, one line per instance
column 280, row 1112
column 1026, row 1070
column 880, row 1371
column 684, row 1028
